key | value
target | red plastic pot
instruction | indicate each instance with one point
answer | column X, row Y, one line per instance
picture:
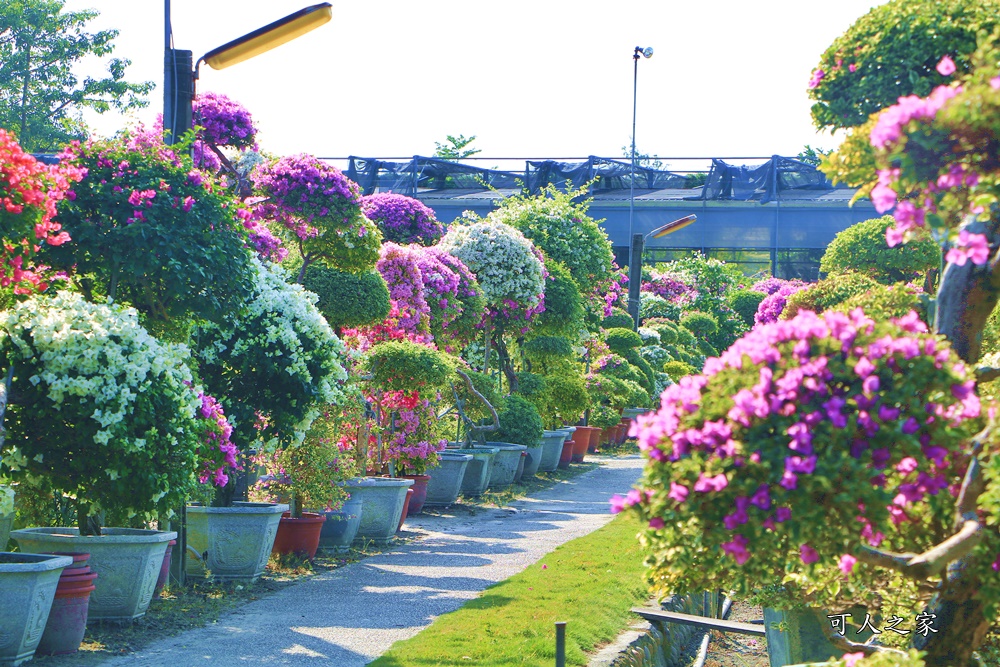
column 584, row 436
column 298, row 536
column 67, row 621
column 406, row 508
column 567, row 453
column 419, row 493
column 161, row 581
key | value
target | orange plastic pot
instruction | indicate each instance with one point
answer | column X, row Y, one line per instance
column 406, row 508
column 583, row 436
column 298, row 536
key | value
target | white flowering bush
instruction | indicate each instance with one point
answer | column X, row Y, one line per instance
column 99, row 411
column 274, row 362
column 506, row 264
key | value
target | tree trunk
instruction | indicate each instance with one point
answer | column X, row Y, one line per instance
column 966, row 297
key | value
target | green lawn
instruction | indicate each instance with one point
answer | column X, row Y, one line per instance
column 590, row 582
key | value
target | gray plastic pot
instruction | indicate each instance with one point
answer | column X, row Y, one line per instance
column 341, row 526
column 505, row 464
column 27, row 586
column 382, row 506
column 446, row 478
column 552, row 444
column 479, row 470
column 534, row 460
column 128, row 559
column 231, row 543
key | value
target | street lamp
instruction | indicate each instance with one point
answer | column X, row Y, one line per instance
column 180, row 75
column 645, row 53
column 179, row 80
column 635, row 259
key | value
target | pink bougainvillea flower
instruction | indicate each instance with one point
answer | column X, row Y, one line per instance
column 847, row 562
column 851, row 659
column 656, row 523
column 817, row 76
column 946, row 67
column 808, row 554
column 852, row 68
column 737, row 548
column 617, row 503
column 678, row 492
column 969, row 246
column 995, row 83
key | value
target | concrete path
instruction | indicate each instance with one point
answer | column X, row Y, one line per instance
column 350, row 616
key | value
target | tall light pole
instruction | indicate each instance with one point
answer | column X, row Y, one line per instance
column 180, row 74
column 633, row 304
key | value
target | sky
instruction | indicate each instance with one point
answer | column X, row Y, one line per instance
column 530, row 79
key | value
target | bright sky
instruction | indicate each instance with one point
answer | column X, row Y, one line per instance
column 539, row 78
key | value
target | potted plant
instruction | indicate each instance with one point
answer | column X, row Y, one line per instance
column 303, row 476
column 474, row 400
column 104, row 414
column 277, row 362
column 520, row 424
column 27, row 586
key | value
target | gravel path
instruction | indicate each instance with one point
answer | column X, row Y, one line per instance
column 352, row 615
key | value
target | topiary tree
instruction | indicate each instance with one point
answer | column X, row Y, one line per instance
column 520, row 422
column 622, row 340
column 348, row 299
column 678, row 369
column 402, row 219
column 654, row 306
column 893, row 51
column 702, row 325
column 827, row 294
column 561, row 228
column 773, row 305
column 860, row 447
column 511, row 274
column 886, row 302
column 274, row 360
column 861, row 248
column 617, row 319
column 566, row 394
column 103, row 413
column 319, row 211
column 151, row 231
column 400, row 267
column 564, row 312
column 546, row 350
column 463, row 313
column 745, row 303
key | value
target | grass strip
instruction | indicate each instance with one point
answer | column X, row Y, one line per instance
column 590, row 582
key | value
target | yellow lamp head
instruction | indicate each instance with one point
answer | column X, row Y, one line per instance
column 672, row 227
column 268, row 37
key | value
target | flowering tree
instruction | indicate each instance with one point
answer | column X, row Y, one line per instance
column 400, row 267
column 877, row 424
column 319, row 211
column 274, row 359
column 777, row 291
column 510, row 271
column 104, row 413
column 461, row 308
column 403, row 219
column 150, row 230
column 29, row 193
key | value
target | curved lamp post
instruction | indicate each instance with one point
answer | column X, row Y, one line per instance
column 180, row 75
column 179, row 80
column 635, row 252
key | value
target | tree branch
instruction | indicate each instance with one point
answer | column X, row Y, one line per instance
column 493, row 412
column 935, row 559
column 987, row 374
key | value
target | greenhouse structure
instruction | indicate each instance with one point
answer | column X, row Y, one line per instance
column 775, row 217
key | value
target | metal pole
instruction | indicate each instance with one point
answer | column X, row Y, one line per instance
column 631, row 176
column 561, row 644
column 635, row 276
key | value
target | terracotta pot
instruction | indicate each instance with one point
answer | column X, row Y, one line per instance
column 606, row 436
column 620, row 432
column 161, row 581
column 419, row 489
column 567, row 453
column 68, row 615
column 298, row 536
column 583, row 437
column 406, row 509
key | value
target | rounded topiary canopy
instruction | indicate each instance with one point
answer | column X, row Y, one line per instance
column 745, row 303
column 402, row 365
column 862, row 248
column 563, row 314
column 891, row 52
column 402, row 219
column 520, row 422
column 617, row 319
column 827, row 294
column 621, row 340
column 701, row 325
column 348, row 299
